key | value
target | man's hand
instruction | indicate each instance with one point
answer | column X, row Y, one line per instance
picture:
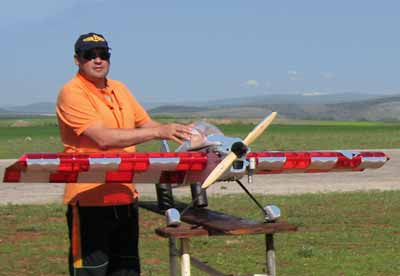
column 176, row 132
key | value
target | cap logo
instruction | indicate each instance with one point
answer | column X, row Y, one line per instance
column 94, row 38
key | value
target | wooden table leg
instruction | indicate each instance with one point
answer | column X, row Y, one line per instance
column 173, row 257
column 185, row 257
column 270, row 247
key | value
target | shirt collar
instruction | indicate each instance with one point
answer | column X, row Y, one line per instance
column 108, row 90
column 92, row 87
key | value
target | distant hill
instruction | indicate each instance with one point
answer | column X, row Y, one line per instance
column 177, row 109
column 384, row 109
column 299, row 98
column 35, row 108
column 4, row 111
column 334, row 107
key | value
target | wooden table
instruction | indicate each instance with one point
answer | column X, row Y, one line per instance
column 205, row 222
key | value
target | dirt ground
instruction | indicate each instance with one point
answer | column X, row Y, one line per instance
column 385, row 178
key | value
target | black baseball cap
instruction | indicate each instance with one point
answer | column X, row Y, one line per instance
column 89, row 41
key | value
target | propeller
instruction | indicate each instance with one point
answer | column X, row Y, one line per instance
column 231, row 157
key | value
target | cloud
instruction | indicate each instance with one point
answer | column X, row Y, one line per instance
column 295, row 75
column 327, row 75
column 314, row 93
column 251, row 83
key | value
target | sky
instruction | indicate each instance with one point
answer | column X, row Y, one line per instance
column 183, row 51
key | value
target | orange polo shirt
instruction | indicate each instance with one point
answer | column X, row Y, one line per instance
column 79, row 105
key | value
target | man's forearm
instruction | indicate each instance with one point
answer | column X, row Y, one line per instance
column 120, row 138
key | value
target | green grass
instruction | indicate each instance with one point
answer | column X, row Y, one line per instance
column 31, row 121
column 42, row 136
column 14, row 141
column 333, row 122
column 339, row 234
column 313, row 136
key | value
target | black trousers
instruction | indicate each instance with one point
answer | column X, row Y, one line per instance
column 103, row 240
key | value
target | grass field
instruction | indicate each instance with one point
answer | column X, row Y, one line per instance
column 339, row 234
column 41, row 135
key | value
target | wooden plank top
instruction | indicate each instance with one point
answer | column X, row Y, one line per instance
column 182, row 231
column 204, row 222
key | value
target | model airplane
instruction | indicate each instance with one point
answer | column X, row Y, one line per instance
column 207, row 158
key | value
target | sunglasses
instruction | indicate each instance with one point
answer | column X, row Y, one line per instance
column 89, row 55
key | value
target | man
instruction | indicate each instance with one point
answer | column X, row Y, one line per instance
column 97, row 114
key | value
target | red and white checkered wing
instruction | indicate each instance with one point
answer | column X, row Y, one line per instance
column 175, row 167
